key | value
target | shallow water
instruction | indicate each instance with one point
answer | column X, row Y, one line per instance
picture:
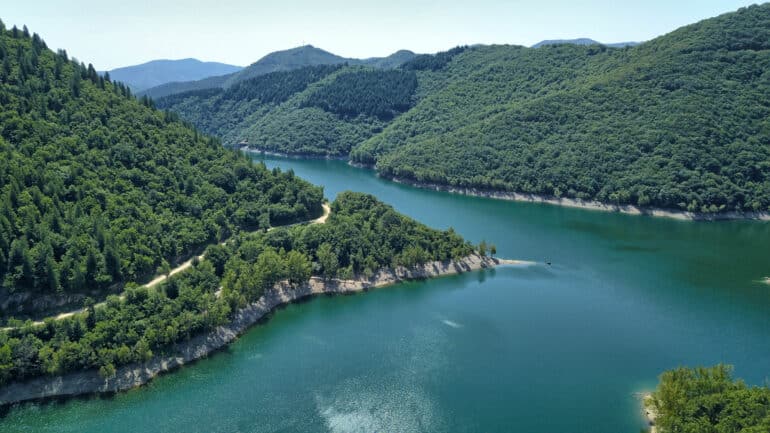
column 559, row 348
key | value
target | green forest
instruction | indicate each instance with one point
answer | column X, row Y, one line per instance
column 709, row 400
column 361, row 236
column 680, row 122
column 315, row 110
column 98, row 189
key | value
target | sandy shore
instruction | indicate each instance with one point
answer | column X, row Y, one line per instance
column 133, row 375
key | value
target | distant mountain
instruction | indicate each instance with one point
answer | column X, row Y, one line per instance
column 623, row 44
column 286, row 60
column 158, row 72
column 185, row 86
column 583, row 41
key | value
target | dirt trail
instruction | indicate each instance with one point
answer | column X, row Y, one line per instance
column 183, row 266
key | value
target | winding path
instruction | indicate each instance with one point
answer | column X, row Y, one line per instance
column 327, row 210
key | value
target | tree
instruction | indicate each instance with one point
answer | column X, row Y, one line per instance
column 483, row 248
column 492, row 250
column 107, row 371
column 328, row 260
column 218, row 256
column 709, row 399
column 89, row 307
column 164, row 268
column 19, row 274
column 6, row 363
column 298, row 267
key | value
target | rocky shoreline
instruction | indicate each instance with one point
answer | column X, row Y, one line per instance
column 535, row 198
column 134, row 375
column 585, row 204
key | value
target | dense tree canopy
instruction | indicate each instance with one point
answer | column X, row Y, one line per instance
column 709, row 400
column 678, row 122
column 375, row 93
column 360, row 237
column 432, row 62
column 316, row 110
column 98, row 189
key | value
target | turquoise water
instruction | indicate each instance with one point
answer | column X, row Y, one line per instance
column 559, row 348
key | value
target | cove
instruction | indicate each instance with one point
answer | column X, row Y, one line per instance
column 560, row 348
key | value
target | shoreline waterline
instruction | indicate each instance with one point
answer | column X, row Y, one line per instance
column 583, row 204
column 533, row 198
column 650, row 414
column 135, row 375
column 255, row 150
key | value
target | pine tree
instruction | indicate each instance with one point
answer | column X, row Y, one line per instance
column 328, row 260
column 19, row 274
column 88, row 306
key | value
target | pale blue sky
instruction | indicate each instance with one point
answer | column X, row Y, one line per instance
column 125, row 32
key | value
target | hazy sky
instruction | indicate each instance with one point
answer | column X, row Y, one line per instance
column 112, row 33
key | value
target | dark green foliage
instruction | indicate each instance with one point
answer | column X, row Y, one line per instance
column 177, row 98
column 709, row 400
column 319, row 110
column 219, row 112
column 272, row 88
column 119, row 331
column 432, row 62
column 98, row 189
column 361, row 236
column 381, row 94
column 366, row 235
column 277, row 87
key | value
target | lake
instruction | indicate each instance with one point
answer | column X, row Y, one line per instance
column 559, row 348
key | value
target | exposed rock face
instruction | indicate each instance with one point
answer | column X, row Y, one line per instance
column 133, row 375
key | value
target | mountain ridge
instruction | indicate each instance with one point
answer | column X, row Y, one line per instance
column 584, row 41
column 161, row 71
column 277, row 61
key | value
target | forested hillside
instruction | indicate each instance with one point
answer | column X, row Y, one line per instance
column 98, row 189
column 317, row 110
column 680, row 122
column 361, row 236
